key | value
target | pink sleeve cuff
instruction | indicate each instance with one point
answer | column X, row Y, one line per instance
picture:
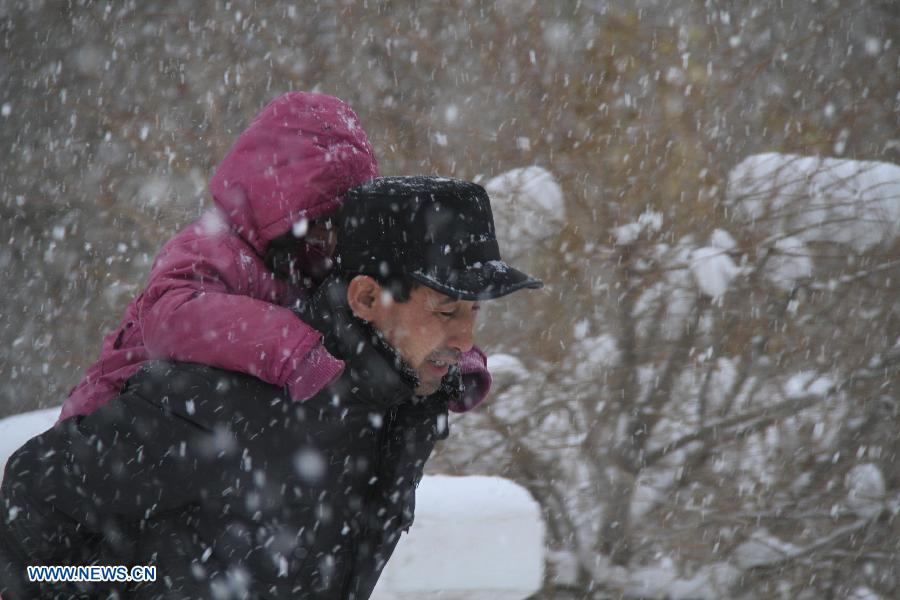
column 476, row 381
column 315, row 371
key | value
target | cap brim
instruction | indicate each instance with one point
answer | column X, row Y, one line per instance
column 493, row 279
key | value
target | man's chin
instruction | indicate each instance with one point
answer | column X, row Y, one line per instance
column 426, row 388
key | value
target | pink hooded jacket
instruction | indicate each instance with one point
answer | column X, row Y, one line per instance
column 211, row 299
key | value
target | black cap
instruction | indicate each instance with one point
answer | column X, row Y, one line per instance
column 436, row 230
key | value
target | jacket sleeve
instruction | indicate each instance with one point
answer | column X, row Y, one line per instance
column 76, row 493
column 206, row 303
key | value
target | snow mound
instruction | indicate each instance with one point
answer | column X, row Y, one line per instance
column 452, row 552
column 851, row 202
column 18, row 429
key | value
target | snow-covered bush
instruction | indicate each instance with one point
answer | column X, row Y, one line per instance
column 705, row 435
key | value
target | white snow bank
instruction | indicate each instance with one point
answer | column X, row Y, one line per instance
column 18, row 429
column 819, row 199
column 473, row 538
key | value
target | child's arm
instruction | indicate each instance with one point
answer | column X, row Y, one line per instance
column 213, row 303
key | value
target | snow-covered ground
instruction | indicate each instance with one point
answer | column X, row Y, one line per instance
column 474, row 538
column 18, row 429
column 494, row 551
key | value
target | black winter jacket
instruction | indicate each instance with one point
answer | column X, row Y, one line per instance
column 224, row 484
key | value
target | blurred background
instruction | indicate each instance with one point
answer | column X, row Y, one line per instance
column 703, row 398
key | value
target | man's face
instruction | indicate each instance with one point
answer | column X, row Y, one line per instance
column 430, row 331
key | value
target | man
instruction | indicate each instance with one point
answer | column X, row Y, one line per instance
column 234, row 491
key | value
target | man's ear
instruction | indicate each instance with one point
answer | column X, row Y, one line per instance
column 363, row 293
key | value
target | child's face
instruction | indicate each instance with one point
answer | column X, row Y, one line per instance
column 316, row 249
column 322, row 236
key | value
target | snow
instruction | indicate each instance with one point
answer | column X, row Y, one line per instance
column 310, row 465
column 864, row 593
column 650, row 491
column 18, row 429
column 713, row 270
column 506, row 365
column 677, row 290
column 762, row 548
column 497, row 266
column 865, row 489
column 528, row 206
column 597, row 352
column 629, row 233
column 299, row 228
column 873, row 46
column 662, row 579
column 722, row 240
column 451, row 113
column 807, row 383
column 212, row 222
column 789, row 262
column 454, row 551
column 851, row 202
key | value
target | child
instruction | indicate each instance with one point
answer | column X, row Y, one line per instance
column 219, row 290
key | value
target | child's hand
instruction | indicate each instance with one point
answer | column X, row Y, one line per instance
column 318, row 312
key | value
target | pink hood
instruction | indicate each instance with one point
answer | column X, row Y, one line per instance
column 294, row 161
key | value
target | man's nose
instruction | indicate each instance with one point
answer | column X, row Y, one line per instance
column 462, row 336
